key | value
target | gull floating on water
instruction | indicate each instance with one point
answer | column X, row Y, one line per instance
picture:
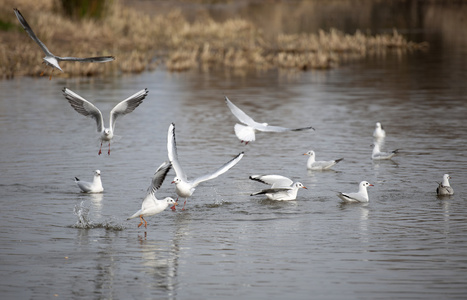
column 360, row 196
column 151, row 205
column 444, row 188
column 50, row 59
column 184, row 187
column 379, row 131
column 378, row 155
column 282, row 188
column 91, row 187
column 247, row 133
column 312, row 164
column 88, row 109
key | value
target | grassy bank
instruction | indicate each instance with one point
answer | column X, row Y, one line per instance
column 140, row 42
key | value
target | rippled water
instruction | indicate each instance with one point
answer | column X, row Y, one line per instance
column 405, row 243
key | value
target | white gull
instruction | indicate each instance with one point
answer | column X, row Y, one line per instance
column 88, row 109
column 312, row 164
column 444, row 188
column 282, row 188
column 360, row 196
column 184, row 187
column 247, row 133
column 91, row 187
column 50, row 59
column 151, row 205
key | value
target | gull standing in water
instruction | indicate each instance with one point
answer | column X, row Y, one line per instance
column 151, row 205
column 444, row 188
column 247, row 133
column 88, row 109
column 378, row 155
column 50, row 59
column 360, row 196
column 282, row 188
column 91, row 187
column 312, row 164
column 379, row 131
column 184, row 187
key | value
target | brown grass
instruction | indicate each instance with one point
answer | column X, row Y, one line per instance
column 140, row 42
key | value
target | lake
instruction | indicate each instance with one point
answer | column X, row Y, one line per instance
column 406, row 243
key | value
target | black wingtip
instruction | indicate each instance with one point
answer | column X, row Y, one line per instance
column 76, row 178
column 338, row 160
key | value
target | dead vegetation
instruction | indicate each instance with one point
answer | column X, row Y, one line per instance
column 141, row 42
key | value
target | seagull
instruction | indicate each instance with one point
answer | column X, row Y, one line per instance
column 184, row 187
column 361, row 196
column 91, row 187
column 88, row 109
column 378, row 155
column 379, row 131
column 151, row 205
column 444, row 188
column 50, row 59
column 319, row 165
column 247, row 133
column 282, row 188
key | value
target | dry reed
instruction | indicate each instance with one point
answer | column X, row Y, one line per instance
column 140, row 42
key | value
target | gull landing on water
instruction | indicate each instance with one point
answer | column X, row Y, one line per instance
column 247, row 133
column 50, row 59
column 282, row 188
column 184, row 187
column 360, row 196
column 444, row 188
column 312, row 164
column 151, row 205
column 88, row 109
column 91, row 187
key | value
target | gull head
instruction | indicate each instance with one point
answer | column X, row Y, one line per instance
column 170, row 201
column 310, row 153
column 378, row 125
column 176, row 180
column 97, row 173
column 107, row 132
column 365, row 184
column 299, row 185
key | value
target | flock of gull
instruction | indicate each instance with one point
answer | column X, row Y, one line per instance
column 281, row 188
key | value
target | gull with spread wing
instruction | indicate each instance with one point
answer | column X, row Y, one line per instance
column 247, row 133
column 184, row 187
column 282, row 188
column 88, row 109
column 151, row 205
column 50, row 59
column 378, row 155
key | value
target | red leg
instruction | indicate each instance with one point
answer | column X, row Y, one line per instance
column 100, row 150
column 50, row 77
column 183, row 208
column 141, row 218
column 109, row 149
column 145, row 223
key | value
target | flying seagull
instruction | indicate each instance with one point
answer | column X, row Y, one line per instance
column 88, row 109
column 50, row 59
column 151, row 205
column 247, row 133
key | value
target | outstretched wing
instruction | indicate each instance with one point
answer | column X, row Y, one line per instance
column 31, row 33
column 88, row 59
column 272, row 191
column 268, row 128
column 240, row 114
column 220, row 171
column 84, row 107
column 127, row 106
column 172, row 152
column 159, row 177
column 274, row 180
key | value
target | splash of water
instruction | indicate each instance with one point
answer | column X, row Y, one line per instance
column 84, row 222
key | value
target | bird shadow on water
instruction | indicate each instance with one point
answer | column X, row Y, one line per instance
column 81, row 211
